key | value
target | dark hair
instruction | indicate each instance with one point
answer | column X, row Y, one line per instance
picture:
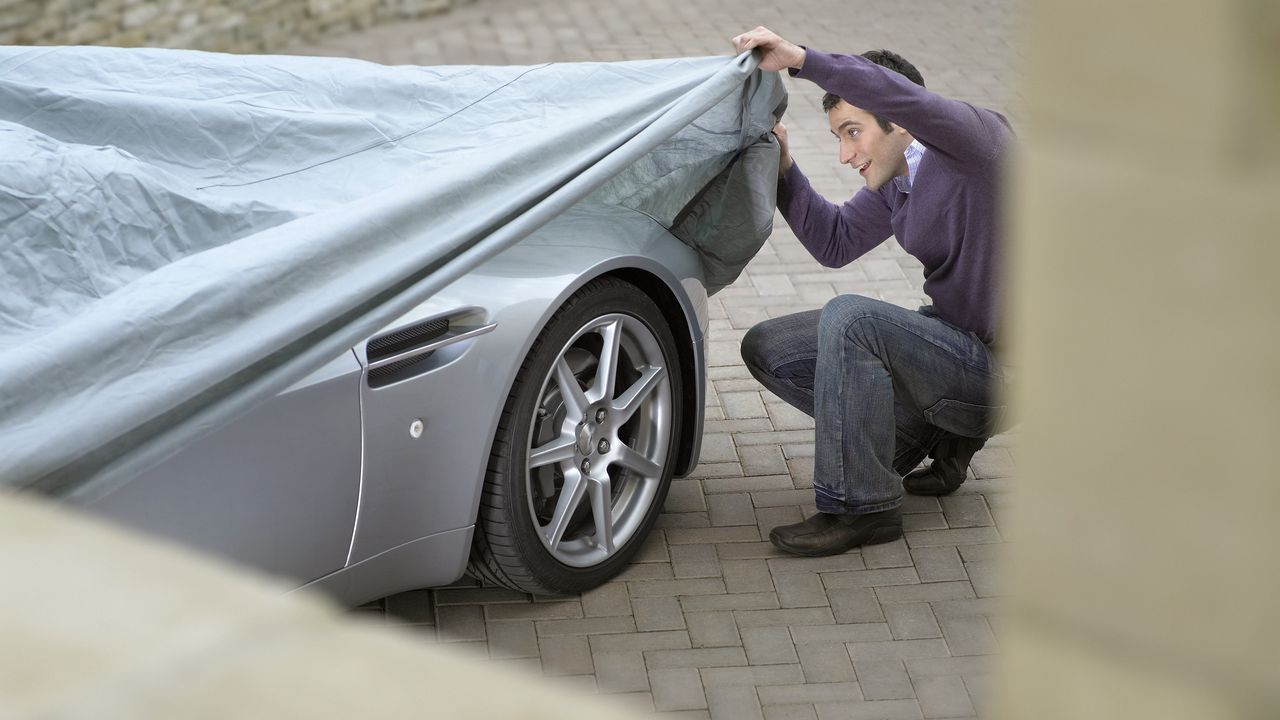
column 885, row 59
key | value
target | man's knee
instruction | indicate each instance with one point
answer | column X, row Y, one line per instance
column 854, row 317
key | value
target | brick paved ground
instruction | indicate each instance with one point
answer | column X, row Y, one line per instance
column 711, row 620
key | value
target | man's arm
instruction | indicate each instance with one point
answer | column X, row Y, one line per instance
column 955, row 129
column 835, row 235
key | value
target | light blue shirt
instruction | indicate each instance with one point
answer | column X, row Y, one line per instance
column 913, row 154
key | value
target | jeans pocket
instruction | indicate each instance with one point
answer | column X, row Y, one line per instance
column 965, row 419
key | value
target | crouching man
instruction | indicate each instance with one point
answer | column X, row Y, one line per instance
column 886, row 385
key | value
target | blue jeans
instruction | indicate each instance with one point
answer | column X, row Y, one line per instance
column 883, row 384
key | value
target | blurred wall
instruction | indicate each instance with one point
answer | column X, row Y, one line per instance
column 223, row 25
column 1147, row 317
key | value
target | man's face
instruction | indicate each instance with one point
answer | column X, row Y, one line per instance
column 866, row 147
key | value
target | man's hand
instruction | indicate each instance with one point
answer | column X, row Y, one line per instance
column 784, row 157
column 775, row 53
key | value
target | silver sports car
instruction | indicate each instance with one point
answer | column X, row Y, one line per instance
column 522, row 425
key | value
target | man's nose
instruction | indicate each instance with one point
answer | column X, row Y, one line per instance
column 846, row 155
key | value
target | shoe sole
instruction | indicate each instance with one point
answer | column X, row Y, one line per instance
column 879, row 536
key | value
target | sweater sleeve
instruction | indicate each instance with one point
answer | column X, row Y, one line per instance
column 835, row 235
column 956, row 130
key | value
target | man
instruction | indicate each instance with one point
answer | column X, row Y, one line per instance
column 886, row 385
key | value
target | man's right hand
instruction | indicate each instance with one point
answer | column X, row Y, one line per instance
column 784, row 157
column 775, row 53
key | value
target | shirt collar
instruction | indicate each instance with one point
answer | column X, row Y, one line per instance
column 913, row 154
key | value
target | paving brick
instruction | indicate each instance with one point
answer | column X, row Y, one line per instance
column 928, row 667
column 920, row 504
column 959, row 536
column 677, row 689
column 456, row 596
column 985, row 576
column 777, row 437
column 801, row 590
column 646, row 571
column 731, row 509
column 825, row 663
column 794, row 616
column 855, row 605
column 512, row 639
column 769, row 646
column 586, row 626
column 717, row 470
column 790, row 712
column 762, row 460
column 696, row 658
column 715, row 628
column 981, row 693
column 771, row 517
column 747, row 576
column 968, row 635
column 682, row 521
column 943, row 696
column 966, row 511
column 924, row 593
column 657, row 613
column 560, row 609
column 608, row 599
column 718, row 447
column 845, row 562
column 674, row 588
column 884, row 680
column 565, row 655
column 776, row 498
column 415, row 607
column 738, row 405
column 653, row 550
column 714, row 486
column 938, row 564
column 736, row 601
column 684, row 496
column 756, row 675
column 870, row 710
column 735, row 533
column 638, row 641
column 871, row 578
column 966, row 608
column 897, row 649
column 887, row 555
column 636, row 702
column 983, row 553
column 860, row 632
column 618, row 672
column 460, row 623
column 746, row 551
column 695, row 561
column 912, row 621
column 809, row 693
column 734, row 702
column 924, row 521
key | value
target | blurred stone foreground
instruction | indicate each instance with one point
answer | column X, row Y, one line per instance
column 100, row 623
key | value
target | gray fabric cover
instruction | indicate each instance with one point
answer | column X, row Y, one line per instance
column 185, row 234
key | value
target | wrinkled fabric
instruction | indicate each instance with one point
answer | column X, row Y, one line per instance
column 185, row 234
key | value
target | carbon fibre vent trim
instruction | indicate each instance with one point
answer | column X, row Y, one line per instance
column 385, row 346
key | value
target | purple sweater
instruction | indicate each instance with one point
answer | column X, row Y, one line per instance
column 950, row 221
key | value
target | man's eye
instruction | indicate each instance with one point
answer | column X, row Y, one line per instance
column 854, row 133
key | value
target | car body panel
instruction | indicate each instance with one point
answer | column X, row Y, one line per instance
column 276, row 490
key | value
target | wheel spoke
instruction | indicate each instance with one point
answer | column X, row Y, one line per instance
column 558, row 450
column 634, row 461
column 575, row 401
column 630, row 401
column 570, row 496
column 607, row 368
column 602, row 510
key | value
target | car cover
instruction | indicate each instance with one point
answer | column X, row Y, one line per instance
column 186, row 234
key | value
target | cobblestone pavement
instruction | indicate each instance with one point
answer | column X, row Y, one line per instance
column 711, row 621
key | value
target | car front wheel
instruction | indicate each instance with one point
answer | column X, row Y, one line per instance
column 585, row 446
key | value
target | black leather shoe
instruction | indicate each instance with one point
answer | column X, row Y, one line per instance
column 947, row 471
column 828, row 534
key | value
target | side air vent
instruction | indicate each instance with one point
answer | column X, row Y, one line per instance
column 385, row 346
column 412, row 350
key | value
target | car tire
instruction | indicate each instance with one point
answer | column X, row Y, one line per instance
column 585, row 447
